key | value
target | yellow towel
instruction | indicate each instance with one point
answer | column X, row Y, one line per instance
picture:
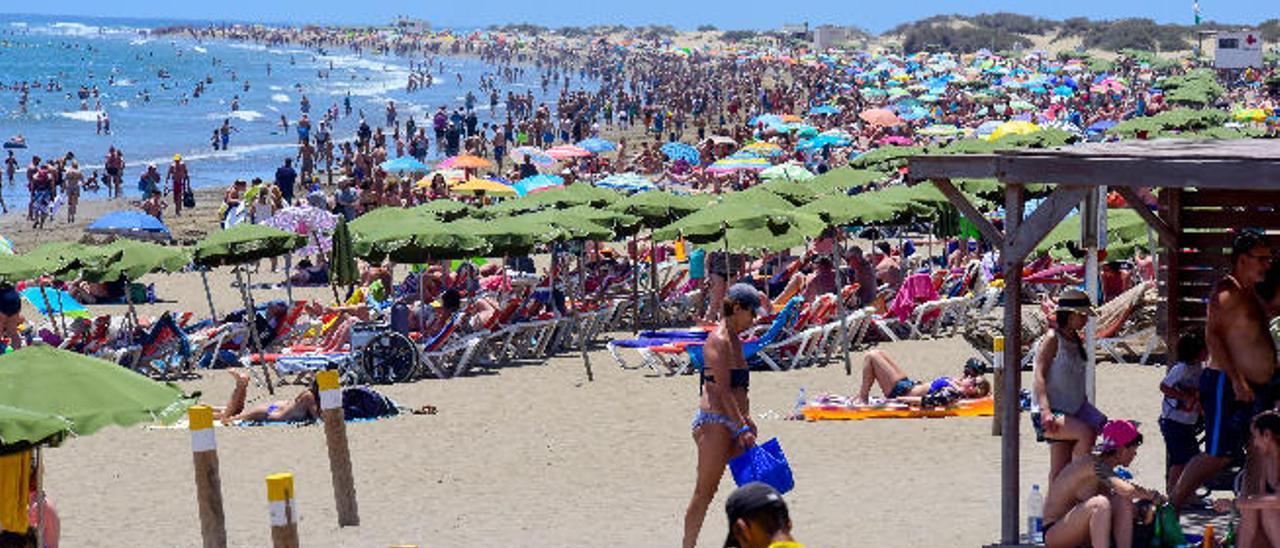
column 15, row 485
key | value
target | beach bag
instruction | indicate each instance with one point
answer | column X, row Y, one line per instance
column 764, row 463
column 362, row 402
column 1167, row 530
column 188, row 197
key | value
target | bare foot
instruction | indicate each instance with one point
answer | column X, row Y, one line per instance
column 241, row 377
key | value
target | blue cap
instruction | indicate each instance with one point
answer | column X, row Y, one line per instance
column 747, row 297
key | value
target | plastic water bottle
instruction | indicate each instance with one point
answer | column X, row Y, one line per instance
column 1035, row 515
column 801, row 399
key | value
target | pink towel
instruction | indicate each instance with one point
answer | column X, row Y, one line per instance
column 917, row 288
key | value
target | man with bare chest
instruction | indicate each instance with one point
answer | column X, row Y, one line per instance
column 1239, row 380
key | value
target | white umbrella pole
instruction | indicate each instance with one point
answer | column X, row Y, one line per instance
column 44, row 295
column 844, row 328
column 288, row 277
column 133, row 312
column 582, row 298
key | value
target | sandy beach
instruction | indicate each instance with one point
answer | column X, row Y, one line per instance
column 534, row 455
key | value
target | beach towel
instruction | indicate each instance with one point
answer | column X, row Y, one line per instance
column 917, row 288
column 59, row 301
column 829, row 407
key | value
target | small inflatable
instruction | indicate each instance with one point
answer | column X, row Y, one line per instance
column 17, row 141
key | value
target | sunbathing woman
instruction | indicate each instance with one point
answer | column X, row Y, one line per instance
column 304, row 407
column 879, row 368
column 722, row 427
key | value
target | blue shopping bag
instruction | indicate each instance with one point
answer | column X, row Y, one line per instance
column 765, row 463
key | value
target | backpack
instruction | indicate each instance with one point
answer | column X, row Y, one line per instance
column 362, row 402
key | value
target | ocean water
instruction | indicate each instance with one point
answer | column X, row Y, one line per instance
column 142, row 79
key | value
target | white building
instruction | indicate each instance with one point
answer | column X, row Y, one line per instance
column 826, row 37
column 1238, row 50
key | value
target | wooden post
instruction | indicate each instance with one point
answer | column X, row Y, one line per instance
column 997, row 359
column 582, row 298
column 204, row 454
column 288, row 277
column 204, row 278
column 283, row 510
column 1009, row 466
column 635, row 285
column 335, row 436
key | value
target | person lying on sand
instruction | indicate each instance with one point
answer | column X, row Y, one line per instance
column 879, row 367
column 303, row 407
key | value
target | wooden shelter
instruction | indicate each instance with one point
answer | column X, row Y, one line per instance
column 1206, row 190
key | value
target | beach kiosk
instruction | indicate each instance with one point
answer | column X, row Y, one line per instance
column 1205, row 190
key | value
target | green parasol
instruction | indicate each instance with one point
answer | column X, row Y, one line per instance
column 842, row 179
column 382, row 218
column 444, row 210
column 418, row 241
column 507, row 235
column 245, row 243
column 57, row 258
column 1126, row 233
column 657, row 208
column 14, row 269
column 794, row 192
column 758, row 231
column 343, row 269
column 22, row 426
column 569, row 227
column 137, row 259
column 622, row 224
column 87, row 393
column 842, row 210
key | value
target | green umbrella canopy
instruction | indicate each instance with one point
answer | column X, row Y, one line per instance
column 342, row 258
column 86, row 392
column 843, row 179
column 137, row 259
column 754, row 231
column 507, row 235
column 569, row 226
column 14, row 269
column 844, row 210
column 245, row 243
column 1126, row 231
column 21, row 426
column 752, row 200
column 417, row 241
column 595, row 195
column 444, row 210
column 383, row 218
column 657, row 208
column 794, row 192
column 622, row 224
column 63, row 257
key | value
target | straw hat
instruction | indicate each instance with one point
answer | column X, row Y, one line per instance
column 1075, row 300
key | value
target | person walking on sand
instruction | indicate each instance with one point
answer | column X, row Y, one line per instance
column 1237, row 380
column 71, row 185
column 178, row 175
column 722, row 426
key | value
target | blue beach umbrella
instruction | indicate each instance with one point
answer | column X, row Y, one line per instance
column 681, row 151
column 541, row 181
column 824, row 110
column 130, row 224
column 597, row 145
column 404, row 164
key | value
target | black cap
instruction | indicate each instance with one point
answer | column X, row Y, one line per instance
column 746, row 500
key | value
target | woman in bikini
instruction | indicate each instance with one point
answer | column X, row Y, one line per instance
column 879, row 368
column 1259, row 502
column 722, row 426
column 303, row 407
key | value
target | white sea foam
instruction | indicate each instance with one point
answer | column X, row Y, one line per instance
column 199, row 49
column 242, row 115
column 122, row 104
column 274, row 87
column 122, row 82
column 81, row 115
column 235, row 153
column 280, row 98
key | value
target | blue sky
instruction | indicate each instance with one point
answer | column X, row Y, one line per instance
column 875, row 15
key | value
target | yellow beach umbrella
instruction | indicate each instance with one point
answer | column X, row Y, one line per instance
column 1016, row 127
column 487, row 186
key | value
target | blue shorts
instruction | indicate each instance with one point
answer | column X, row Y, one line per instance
column 1180, row 443
column 901, row 388
column 1226, row 421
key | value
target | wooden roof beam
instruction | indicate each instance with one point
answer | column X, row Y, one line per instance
column 1167, row 236
column 1046, row 216
column 989, row 231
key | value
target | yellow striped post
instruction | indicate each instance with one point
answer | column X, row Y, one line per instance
column 204, row 455
column 997, row 362
column 283, row 509
column 335, row 434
